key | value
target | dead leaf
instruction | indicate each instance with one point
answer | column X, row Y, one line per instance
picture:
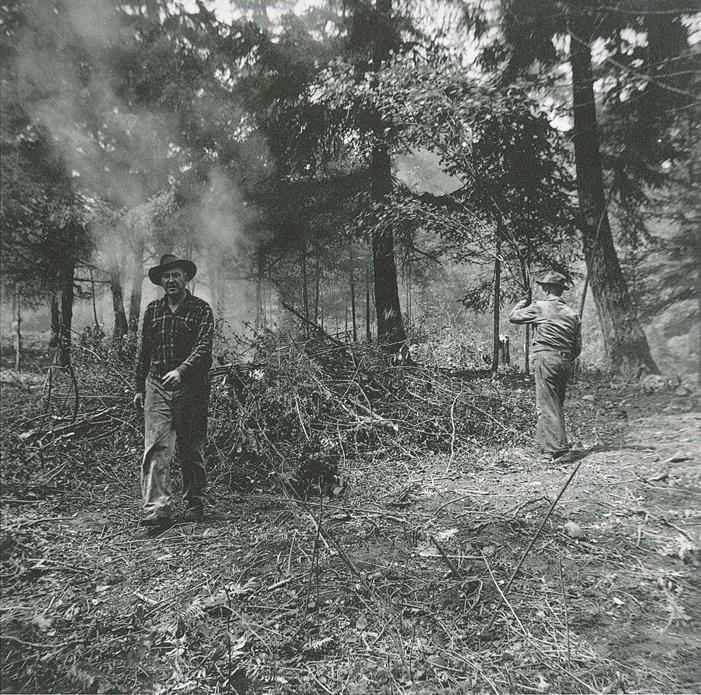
column 428, row 551
column 42, row 622
column 573, row 530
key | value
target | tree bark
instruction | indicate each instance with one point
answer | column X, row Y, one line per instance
column 305, row 291
column 93, row 298
column 497, row 303
column 624, row 340
column 353, row 307
column 120, row 317
column 317, row 274
column 368, row 326
column 18, row 327
column 390, row 327
column 136, row 288
column 527, row 350
column 55, row 314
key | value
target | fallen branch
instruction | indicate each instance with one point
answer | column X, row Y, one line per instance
column 448, row 561
column 530, row 545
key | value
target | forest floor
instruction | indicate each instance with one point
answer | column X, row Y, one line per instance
column 387, row 587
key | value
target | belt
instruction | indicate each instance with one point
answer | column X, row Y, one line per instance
column 563, row 353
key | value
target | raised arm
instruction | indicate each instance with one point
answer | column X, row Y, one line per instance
column 523, row 312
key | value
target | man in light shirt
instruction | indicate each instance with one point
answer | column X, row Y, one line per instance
column 557, row 342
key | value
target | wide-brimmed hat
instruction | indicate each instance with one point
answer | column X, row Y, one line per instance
column 554, row 278
column 168, row 260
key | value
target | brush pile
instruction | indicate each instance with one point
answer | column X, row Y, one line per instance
column 292, row 416
column 303, row 406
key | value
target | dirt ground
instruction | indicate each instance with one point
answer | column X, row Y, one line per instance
column 392, row 585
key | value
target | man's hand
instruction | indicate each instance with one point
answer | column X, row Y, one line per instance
column 522, row 304
column 139, row 401
column 172, row 379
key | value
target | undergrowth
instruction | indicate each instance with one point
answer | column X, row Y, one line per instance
column 365, row 518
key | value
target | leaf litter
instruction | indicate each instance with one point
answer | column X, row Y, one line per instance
column 384, row 583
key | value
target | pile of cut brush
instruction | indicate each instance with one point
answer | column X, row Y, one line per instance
column 290, row 417
column 304, row 406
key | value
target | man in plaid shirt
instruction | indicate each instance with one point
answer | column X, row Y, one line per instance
column 172, row 386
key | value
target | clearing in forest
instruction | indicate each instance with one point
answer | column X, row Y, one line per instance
column 385, row 584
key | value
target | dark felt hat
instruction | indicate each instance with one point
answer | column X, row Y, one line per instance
column 554, row 278
column 168, row 260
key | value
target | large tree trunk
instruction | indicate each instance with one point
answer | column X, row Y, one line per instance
column 624, row 339
column 120, row 317
column 55, row 314
column 390, row 327
column 136, row 287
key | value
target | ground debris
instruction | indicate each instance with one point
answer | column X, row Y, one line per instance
column 384, row 588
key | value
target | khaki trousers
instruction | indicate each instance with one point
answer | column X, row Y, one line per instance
column 172, row 417
column 552, row 372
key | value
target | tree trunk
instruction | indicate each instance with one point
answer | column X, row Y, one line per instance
column 260, row 314
column 408, row 304
column 390, row 327
column 353, row 308
column 527, row 351
column 18, row 328
column 624, row 339
column 136, row 288
column 120, row 317
column 368, row 327
column 497, row 302
column 316, row 287
column 213, row 268
column 305, row 292
column 93, row 298
column 66, row 320
column 55, row 314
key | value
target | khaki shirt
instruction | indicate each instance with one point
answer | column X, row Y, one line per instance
column 557, row 327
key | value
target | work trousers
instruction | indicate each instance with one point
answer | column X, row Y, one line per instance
column 552, row 372
column 171, row 417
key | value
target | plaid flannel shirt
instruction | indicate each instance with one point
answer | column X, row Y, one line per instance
column 179, row 340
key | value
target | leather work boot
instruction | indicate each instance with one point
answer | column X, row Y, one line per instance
column 562, row 457
column 159, row 521
column 153, row 526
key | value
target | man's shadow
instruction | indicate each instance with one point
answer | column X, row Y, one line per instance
column 577, row 453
